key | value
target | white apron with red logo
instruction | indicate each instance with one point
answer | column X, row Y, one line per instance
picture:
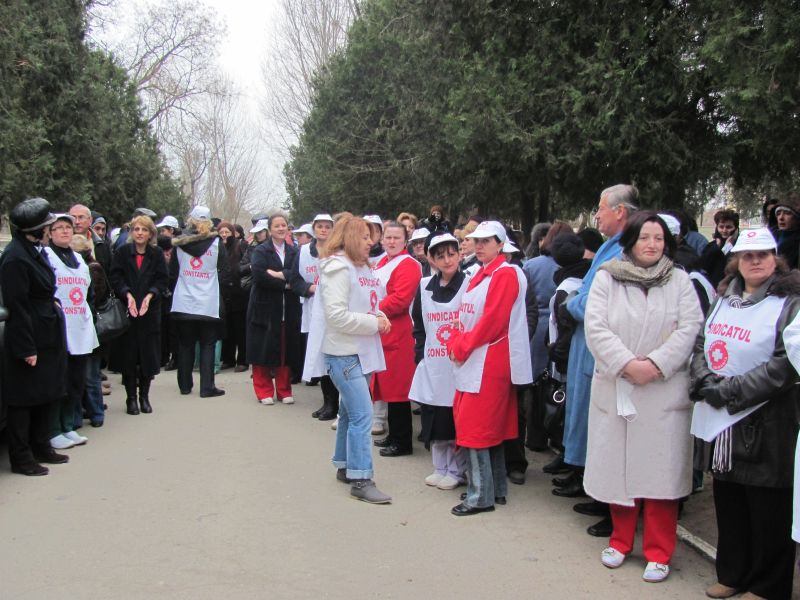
column 434, row 382
column 469, row 374
column 197, row 291
column 736, row 340
column 308, row 266
column 364, row 286
column 384, row 273
column 72, row 288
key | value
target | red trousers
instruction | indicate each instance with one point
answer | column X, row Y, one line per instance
column 262, row 382
column 660, row 528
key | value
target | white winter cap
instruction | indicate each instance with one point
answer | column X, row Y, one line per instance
column 169, row 221
column 261, row 225
column 487, row 229
column 305, row 228
column 375, row 219
column 673, row 224
column 200, row 213
column 442, row 238
column 420, row 234
column 322, row 217
column 755, row 239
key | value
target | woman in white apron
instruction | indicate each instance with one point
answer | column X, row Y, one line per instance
column 491, row 353
column 74, row 293
column 642, row 317
column 344, row 341
column 436, row 304
column 747, row 397
column 305, row 286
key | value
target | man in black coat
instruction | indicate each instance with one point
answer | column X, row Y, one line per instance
column 35, row 357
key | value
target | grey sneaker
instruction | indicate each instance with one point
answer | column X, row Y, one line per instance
column 341, row 475
column 364, row 489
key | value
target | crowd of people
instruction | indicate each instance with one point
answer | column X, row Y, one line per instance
column 639, row 353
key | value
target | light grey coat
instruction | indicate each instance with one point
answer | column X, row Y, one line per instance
column 651, row 456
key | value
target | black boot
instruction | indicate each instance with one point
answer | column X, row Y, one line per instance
column 130, row 393
column 575, row 487
column 317, row 412
column 144, row 395
column 331, row 398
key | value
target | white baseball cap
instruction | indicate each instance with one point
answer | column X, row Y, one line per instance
column 442, row 238
column 420, row 234
column 755, row 239
column 487, row 229
column 200, row 213
column 673, row 224
column 261, row 225
column 305, row 228
column 169, row 221
column 322, row 217
column 374, row 219
column 509, row 248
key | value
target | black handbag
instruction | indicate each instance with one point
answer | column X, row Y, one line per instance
column 553, row 398
column 112, row 319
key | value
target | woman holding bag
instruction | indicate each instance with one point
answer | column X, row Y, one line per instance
column 642, row 317
column 747, row 401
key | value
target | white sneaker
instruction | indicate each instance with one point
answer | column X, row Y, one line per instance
column 335, row 423
column 612, row 558
column 61, row 442
column 448, row 483
column 267, row 401
column 76, row 437
column 433, row 479
column 655, row 572
column 288, row 400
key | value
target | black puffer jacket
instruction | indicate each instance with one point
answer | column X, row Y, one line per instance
column 763, row 442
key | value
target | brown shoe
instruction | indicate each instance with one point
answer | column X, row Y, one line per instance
column 719, row 590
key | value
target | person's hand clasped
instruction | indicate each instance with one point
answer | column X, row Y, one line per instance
column 30, row 360
column 276, row 274
column 145, row 305
column 384, row 326
column 640, row 372
column 132, row 311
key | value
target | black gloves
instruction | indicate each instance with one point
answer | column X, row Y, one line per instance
column 709, row 390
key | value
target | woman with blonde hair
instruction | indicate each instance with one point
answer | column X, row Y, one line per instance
column 408, row 220
column 139, row 278
column 344, row 343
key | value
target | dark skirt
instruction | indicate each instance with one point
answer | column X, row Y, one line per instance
column 437, row 424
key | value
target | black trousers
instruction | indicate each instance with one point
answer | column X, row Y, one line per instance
column 190, row 332
column 329, row 391
column 515, row 449
column 755, row 550
column 537, row 434
column 28, row 430
column 400, row 428
column 233, row 351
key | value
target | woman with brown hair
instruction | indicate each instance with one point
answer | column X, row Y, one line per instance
column 235, row 300
column 344, row 342
column 139, row 278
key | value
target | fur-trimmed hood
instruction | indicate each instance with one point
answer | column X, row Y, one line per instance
column 194, row 243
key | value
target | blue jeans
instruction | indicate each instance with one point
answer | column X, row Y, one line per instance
column 353, row 449
column 93, row 398
column 486, row 476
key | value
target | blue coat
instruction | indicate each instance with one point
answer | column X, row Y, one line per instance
column 581, row 363
column 540, row 271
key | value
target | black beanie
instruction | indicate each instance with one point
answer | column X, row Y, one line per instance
column 592, row 239
column 566, row 249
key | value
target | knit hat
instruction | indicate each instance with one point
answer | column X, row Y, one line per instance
column 567, row 249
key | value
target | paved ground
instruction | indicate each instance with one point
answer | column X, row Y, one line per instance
column 223, row 497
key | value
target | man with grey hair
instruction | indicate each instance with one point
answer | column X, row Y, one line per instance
column 82, row 217
column 615, row 207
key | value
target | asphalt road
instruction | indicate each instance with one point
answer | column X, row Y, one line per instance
column 225, row 498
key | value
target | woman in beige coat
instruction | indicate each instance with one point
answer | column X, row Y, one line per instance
column 642, row 317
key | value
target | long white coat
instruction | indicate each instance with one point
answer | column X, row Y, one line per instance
column 651, row 456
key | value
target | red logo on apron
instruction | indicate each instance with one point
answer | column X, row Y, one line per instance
column 751, row 234
column 76, row 296
column 373, row 301
column 196, row 262
column 444, row 334
column 717, row 355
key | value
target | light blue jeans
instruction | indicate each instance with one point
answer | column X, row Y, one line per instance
column 353, row 449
